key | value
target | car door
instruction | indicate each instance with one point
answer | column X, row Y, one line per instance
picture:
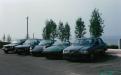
column 97, row 46
column 100, row 46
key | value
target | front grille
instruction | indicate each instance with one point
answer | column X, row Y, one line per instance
column 72, row 51
column 9, row 47
column 22, row 50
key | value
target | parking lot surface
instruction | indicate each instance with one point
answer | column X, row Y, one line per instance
column 13, row 64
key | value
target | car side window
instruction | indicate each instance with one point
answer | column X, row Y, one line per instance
column 97, row 42
column 36, row 42
column 100, row 41
column 66, row 44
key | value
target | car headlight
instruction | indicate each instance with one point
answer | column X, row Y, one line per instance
column 30, row 49
column 83, row 51
column 65, row 51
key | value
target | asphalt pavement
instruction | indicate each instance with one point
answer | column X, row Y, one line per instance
column 13, row 64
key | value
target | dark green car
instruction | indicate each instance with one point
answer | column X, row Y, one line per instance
column 85, row 48
column 37, row 50
column 56, row 50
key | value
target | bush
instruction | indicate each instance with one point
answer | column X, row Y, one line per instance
column 112, row 47
column 3, row 43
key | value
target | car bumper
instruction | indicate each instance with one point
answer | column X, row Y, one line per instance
column 20, row 51
column 52, row 54
column 75, row 56
column 38, row 53
column 8, row 49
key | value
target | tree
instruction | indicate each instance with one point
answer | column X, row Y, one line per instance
column 53, row 34
column 49, row 32
column 8, row 38
column 4, row 38
column 96, row 24
column 44, row 33
column 67, row 32
column 61, row 31
column 80, row 28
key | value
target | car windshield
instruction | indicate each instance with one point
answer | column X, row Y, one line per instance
column 44, row 42
column 83, row 42
column 29, row 42
column 57, row 43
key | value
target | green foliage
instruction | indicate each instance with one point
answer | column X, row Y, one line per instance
column 67, row 32
column 44, row 33
column 80, row 28
column 96, row 24
column 4, row 38
column 3, row 43
column 61, row 31
column 8, row 38
column 49, row 32
column 112, row 47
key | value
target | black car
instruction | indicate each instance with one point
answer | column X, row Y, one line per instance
column 37, row 50
column 25, row 47
column 85, row 48
column 11, row 47
column 56, row 50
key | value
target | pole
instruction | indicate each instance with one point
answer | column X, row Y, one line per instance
column 27, row 36
column 119, row 43
column 33, row 35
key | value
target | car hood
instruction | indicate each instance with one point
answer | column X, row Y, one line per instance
column 22, row 46
column 54, row 48
column 77, row 48
column 10, row 45
column 38, row 48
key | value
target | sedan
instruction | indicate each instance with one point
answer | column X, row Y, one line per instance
column 37, row 50
column 56, row 50
column 25, row 47
column 11, row 47
column 85, row 48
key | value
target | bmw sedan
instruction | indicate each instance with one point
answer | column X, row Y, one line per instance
column 11, row 47
column 56, row 50
column 25, row 47
column 85, row 48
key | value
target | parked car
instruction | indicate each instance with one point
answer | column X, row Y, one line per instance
column 11, row 47
column 56, row 50
column 85, row 48
column 25, row 47
column 37, row 50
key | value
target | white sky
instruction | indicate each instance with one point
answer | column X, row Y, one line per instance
column 13, row 15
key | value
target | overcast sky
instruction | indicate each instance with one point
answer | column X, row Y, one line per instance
column 13, row 15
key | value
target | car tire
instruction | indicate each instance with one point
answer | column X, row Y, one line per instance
column 102, row 52
column 18, row 53
column 6, row 52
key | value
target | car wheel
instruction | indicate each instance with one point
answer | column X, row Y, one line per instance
column 102, row 52
column 18, row 53
column 6, row 52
